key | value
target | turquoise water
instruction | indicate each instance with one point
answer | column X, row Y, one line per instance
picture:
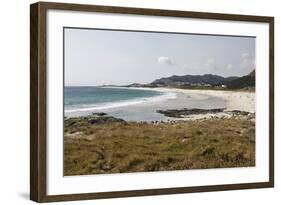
column 78, row 99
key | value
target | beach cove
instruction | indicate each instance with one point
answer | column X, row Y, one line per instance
column 173, row 98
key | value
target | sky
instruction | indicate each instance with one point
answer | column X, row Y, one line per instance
column 105, row 57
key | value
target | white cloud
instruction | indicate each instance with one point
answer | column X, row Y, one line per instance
column 166, row 60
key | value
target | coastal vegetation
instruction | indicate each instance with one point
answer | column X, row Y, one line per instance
column 99, row 144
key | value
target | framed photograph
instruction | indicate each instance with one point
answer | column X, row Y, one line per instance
column 135, row 102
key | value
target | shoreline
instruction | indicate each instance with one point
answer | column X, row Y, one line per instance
column 165, row 95
column 183, row 99
column 234, row 100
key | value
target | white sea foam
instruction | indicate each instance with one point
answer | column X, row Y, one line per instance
column 105, row 106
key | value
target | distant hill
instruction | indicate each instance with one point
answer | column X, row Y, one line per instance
column 175, row 80
column 242, row 82
column 202, row 81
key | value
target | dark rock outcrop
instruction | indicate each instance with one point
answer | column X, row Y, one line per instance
column 185, row 112
column 104, row 119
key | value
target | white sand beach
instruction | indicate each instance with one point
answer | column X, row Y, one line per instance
column 235, row 100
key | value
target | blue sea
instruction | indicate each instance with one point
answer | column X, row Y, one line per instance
column 99, row 98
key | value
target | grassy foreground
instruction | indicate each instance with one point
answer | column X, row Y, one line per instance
column 115, row 146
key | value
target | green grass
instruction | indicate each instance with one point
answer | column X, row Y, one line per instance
column 118, row 147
